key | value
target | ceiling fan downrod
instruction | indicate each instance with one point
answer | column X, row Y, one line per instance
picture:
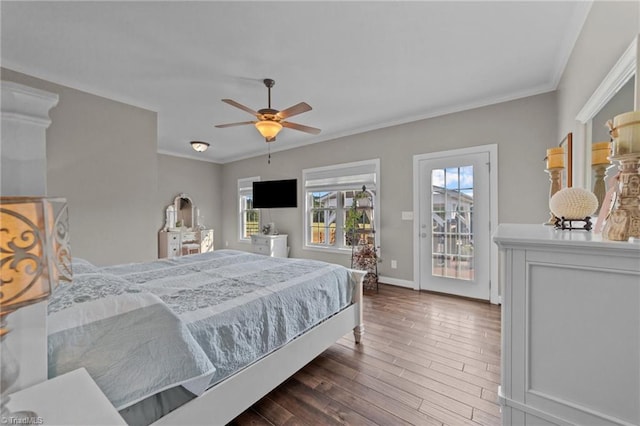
column 269, row 83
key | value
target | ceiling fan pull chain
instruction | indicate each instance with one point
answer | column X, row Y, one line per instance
column 269, row 150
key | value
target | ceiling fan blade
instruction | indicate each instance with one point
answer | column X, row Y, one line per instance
column 294, row 110
column 301, row 127
column 222, row 126
column 242, row 107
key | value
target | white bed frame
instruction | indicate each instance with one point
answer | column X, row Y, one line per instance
column 229, row 398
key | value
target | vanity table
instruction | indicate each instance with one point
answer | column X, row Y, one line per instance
column 570, row 327
column 183, row 233
column 178, row 243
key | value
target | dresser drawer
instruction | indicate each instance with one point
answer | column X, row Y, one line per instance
column 173, row 248
column 260, row 241
column 189, row 236
column 262, row 249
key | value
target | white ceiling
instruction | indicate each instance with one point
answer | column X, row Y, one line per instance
column 360, row 65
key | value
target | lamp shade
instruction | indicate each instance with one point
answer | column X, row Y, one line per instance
column 268, row 129
column 34, row 250
column 199, row 146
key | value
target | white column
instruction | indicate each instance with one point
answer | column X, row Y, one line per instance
column 23, row 171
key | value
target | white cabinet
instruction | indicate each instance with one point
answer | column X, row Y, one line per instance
column 70, row 399
column 570, row 327
column 178, row 243
column 169, row 244
column 270, row 245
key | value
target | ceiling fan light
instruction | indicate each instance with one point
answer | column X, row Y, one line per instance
column 268, row 129
column 199, row 146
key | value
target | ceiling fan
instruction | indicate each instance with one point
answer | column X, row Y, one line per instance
column 270, row 121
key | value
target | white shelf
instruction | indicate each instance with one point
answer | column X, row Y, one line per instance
column 69, row 399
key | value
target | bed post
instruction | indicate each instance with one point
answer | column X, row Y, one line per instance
column 358, row 277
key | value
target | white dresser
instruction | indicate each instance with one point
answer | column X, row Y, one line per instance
column 570, row 327
column 270, row 245
column 178, row 243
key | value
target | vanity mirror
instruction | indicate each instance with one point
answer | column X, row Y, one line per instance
column 181, row 214
column 618, row 93
column 183, row 233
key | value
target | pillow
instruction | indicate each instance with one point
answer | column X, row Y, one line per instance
column 82, row 266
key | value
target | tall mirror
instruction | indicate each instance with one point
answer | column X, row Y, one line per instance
column 181, row 214
column 185, row 210
column 616, row 94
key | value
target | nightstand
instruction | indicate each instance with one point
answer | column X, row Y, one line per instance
column 70, row 399
column 270, row 245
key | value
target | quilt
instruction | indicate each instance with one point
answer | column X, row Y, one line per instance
column 224, row 310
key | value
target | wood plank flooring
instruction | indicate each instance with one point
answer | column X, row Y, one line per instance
column 425, row 359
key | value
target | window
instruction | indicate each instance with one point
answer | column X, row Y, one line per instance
column 248, row 217
column 329, row 193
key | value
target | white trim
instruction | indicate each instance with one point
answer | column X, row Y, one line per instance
column 492, row 150
column 242, row 189
column 26, row 104
column 624, row 69
column 398, row 282
column 619, row 75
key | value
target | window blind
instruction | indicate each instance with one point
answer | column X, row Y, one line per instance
column 343, row 176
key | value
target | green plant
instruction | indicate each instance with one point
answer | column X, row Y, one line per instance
column 354, row 218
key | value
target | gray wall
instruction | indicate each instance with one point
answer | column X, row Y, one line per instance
column 201, row 180
column 522, row 129
column 102, row 156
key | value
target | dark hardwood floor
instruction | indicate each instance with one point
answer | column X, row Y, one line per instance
column 425, row 359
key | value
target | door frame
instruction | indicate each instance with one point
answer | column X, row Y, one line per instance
column 492, row 150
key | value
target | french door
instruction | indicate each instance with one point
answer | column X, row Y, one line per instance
column 453, row 241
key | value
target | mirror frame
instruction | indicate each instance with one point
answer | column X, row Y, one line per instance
column 626, row 67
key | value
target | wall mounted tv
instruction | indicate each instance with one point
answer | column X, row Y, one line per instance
column 269, row 194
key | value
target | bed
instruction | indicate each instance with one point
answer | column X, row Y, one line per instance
column 199, row 338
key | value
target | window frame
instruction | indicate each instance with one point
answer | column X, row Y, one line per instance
column 339, row 178
column 245, row 189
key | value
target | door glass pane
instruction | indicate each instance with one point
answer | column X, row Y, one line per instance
column 452, row 228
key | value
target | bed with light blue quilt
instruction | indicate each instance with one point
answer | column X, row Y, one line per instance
column 189, row 322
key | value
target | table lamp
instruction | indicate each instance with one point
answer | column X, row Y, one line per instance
column 34, row 258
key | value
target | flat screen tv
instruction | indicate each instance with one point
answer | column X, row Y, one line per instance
column 269, row 194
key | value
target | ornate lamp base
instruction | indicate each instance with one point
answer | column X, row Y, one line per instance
column 624, row 220
column 9, row 371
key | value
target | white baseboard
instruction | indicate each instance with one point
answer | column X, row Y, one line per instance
column 397, row 282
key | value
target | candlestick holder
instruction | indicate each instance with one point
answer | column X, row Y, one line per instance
column 555, row 179
column 599, row 187
column 624, row 220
